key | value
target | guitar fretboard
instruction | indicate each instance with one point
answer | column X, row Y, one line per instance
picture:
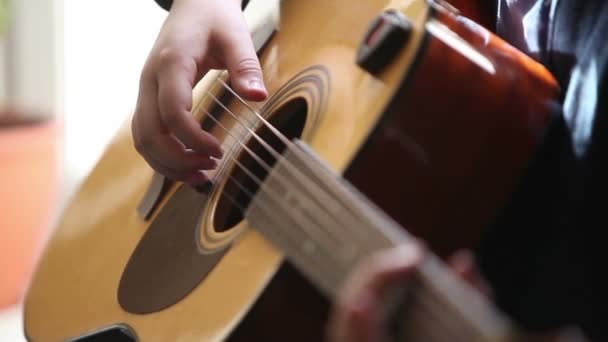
column 325, row 227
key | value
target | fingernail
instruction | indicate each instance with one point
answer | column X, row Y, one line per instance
column 215, row 151
column 219, row 153
column 256, row 84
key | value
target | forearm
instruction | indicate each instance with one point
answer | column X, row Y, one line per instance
column 166, row 4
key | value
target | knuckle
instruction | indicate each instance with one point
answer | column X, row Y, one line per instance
column 169, row 55
column 248, row 66
column 172, row 56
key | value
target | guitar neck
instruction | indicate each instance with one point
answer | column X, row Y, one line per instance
column 325, row 227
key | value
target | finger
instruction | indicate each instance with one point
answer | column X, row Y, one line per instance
column 165, row 149
column 175, row 82
column 389, row 267
column 193, row 175
column 463, row 263
column 358, row 321
column 194, row 178
column 167, row 155
column 357, row 313
column 242, row 62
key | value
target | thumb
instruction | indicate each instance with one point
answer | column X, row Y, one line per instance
column 243, row 65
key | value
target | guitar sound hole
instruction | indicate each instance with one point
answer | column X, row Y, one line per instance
column 290, row 120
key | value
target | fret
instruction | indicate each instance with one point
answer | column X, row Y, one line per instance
column 325, row 227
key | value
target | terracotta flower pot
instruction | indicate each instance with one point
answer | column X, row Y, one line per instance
column 28, row 186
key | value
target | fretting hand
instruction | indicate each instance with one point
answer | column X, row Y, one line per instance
column 357, row 314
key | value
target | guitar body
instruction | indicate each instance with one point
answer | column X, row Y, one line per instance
column 481, row 11
column 438, row 138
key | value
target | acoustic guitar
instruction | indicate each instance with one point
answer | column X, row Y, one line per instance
column 386, row 119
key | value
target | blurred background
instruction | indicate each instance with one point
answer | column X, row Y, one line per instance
column 69, row 73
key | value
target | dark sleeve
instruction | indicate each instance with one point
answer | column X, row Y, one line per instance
column 166, row 4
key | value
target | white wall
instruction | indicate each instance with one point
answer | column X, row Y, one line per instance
column 106, row 43
column 80, row 61
column 32, row 58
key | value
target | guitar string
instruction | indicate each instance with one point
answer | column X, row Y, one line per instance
column 301, row 177
column 322, row 268
column 425, row 309
column 278, row 157
column 269, row 148
column 259, row 182
column 273, row 195
column 335, row 238
column 278, row 133
column 424, row 305
column 265, row 122
column 251, row 132
column 247, row 171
